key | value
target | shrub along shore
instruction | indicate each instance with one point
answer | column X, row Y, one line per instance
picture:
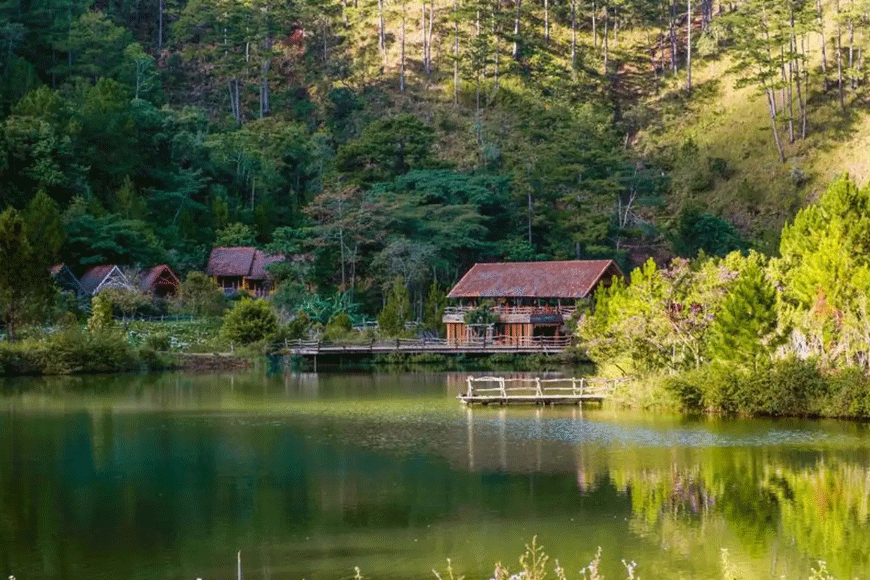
column 748, row 334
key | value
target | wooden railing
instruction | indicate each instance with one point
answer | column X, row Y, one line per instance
column 518, row 310
column 499, row 342
column 537, row 388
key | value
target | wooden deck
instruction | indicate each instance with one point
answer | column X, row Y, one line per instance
column 537, row 391
column 538, row 345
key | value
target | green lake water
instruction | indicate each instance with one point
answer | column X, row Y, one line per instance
column 309, row 476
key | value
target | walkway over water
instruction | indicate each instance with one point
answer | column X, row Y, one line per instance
column 494, row 345
column 537, row 391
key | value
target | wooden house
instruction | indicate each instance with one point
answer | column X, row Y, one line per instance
column 66, row 280
column 528, row 300
column 242, row 269
column 98, row 278
column 160, row 281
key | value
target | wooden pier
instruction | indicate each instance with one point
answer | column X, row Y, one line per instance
column 477, row 347
column 537, row 391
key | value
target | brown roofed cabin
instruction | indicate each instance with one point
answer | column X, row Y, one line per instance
column 529, row 300
column 160, row 281
column 241, row 269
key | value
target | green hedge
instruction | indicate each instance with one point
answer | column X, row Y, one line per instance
column 789, row 387
column 73, row 351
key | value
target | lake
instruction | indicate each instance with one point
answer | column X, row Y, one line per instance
column 312, row 475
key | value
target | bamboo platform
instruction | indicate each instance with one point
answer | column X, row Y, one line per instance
column 537, row 391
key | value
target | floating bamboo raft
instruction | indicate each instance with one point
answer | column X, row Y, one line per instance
column 537, row 391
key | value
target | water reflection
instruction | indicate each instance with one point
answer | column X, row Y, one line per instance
column 310, row 475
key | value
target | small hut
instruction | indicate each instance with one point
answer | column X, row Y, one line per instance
column 98, row 278
column 160, row 281
column 242, row 269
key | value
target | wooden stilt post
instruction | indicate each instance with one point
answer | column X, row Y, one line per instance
column 470, row 391
column 501, row 385
column 538, row 385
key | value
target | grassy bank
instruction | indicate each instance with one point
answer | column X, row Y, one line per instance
column 76, row 350
column 781, row 388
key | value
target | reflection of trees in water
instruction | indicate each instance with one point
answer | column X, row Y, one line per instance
column 789, row 516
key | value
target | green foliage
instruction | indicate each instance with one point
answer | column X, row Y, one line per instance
column 25, row 285
column 481, row 314
column 397, row 310
column 199, row 295
column 338, row 327
column 697, row 232
column 125, row 301
column 101, row 318
column 436, row 303
column 299, row 327
column 249, row 321
column 387, row 148
column 235, row 234
column 824, row 273
column 743, row 330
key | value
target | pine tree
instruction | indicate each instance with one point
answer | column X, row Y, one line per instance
column 742, row 332
column 397, row 310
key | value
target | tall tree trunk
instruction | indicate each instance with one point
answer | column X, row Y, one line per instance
column 496, row 49
column 771, row 104
column 265, row 93
column 382, row 37
column 344, row 12
column 477, row 67
column 547, row 22
column 516, row 51
column 402, row 66
column 839, row 59
column 573, row 35
column 821, row 22
column 594, row 24
column 455, row 53
column 161, row 9
column 429, row 38
column 803, row 75
column 688, row 45
column 673, row 39
column 606, row 34
column 235, row 107
column 851, row 49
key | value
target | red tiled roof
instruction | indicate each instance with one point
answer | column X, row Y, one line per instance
column 148, row 278
column 231, row 261
column 567, row 279
column 261, row 260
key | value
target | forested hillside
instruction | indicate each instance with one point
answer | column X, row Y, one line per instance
column 386, row 138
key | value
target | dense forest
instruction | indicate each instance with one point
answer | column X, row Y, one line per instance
column 385, row 138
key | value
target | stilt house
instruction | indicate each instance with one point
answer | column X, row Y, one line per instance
column 519, row 302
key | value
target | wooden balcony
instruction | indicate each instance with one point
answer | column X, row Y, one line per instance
column 514, row 314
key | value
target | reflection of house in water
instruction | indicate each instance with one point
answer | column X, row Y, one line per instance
column 519, row 302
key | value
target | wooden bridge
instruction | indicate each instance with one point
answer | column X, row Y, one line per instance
column 482, row 346
column 537, row 391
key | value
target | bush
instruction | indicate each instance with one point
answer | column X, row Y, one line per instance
column 159, row 341
column 200, row 296
column 338, row 327
column 250, row 321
